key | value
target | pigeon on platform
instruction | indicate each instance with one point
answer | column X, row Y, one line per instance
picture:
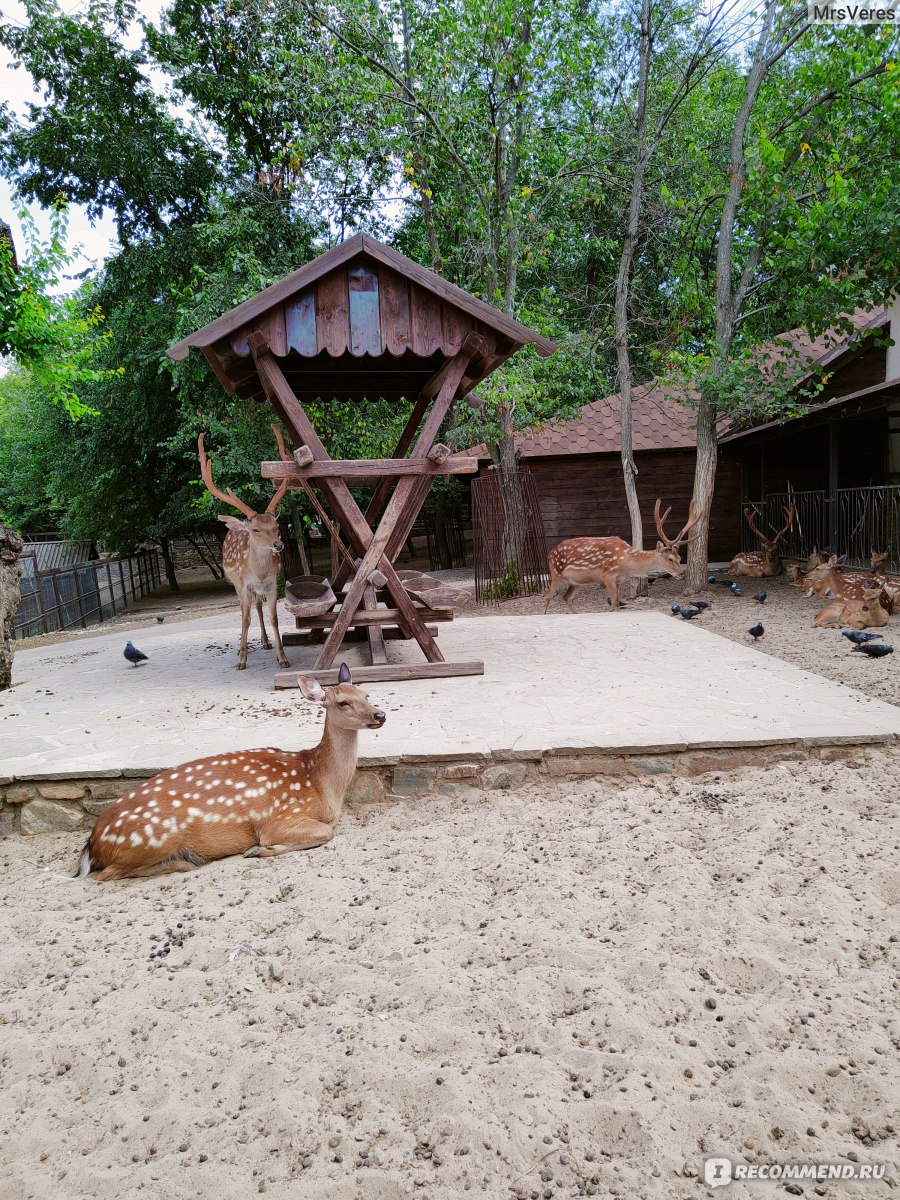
column 760, row 597
column 735, row 590
column 858, row 637
column 134, row 655
column 757, row 631
column 874, row 649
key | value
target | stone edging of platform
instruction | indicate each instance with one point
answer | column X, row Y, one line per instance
column 67, row 800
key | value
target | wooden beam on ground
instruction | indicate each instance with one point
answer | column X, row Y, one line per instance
column 384, row 673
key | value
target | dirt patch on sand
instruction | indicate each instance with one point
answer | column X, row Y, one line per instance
column 582, row 989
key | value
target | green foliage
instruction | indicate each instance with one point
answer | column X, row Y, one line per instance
column 505, row 586
column 56, row 338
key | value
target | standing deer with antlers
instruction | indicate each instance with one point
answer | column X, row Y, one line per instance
column 259, row 803
column 609, row 560
column 761, row 564
column 251, row 559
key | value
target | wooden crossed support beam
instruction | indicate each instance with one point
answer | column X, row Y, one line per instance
column 378, row 546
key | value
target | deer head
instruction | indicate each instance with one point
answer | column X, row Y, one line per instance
column 262, row 528
column 668, row 548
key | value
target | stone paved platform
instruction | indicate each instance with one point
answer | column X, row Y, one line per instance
column 633, row 682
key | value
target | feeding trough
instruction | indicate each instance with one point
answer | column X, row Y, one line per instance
column 363, row 323
column 308, row 595
column 431, row 592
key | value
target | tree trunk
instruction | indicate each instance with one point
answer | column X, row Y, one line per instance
column 207, row 562
column 166, row 546
column 704, row 485
column 728, row 305
column 513, row 500
column 10, row 570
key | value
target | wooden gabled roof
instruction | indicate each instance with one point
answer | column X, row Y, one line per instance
column 361, row 321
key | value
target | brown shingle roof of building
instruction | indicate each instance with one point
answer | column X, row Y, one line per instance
column 662, row 418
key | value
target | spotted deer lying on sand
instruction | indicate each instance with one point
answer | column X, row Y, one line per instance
column 865, row 612
column 258, row 803
column 767, row 562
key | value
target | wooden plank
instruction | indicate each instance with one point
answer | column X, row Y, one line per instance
column 271, row 325
column 300, row 324
column 361, row 467
column 357, row 633
column 393, row 671
column 393, row 302
column 374, row 632
column 238, row 341
column 381, row 616
column 456, row 326
column 333, row 314
column 209, row 353
column 365, row 323
column 426, row 321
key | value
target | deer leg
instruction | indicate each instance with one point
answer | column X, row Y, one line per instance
column 304, row 835
column 554, row 583
column 273, row 617
column 612, row 586
column 568, row 593
column 245, row 629
column 163, row 868
column 266, row 644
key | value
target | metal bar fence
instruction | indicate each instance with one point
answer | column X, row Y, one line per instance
column 84, row 594
column 810, row 529
column 509, row 540
column 868, row 521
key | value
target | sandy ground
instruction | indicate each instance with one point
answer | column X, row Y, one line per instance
column 567, row 991
column 787, row 617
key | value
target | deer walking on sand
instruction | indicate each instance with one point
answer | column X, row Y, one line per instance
column 258, row 803
column 251, row 559
column 610, row 560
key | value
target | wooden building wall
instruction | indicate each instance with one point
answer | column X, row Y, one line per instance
column 583, row 496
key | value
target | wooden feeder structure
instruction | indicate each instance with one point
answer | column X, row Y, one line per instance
column 362, row 323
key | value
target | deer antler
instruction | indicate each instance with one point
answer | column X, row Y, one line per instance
column 790, row 512
column 674, row 543
column 228, row 497
column 750, row 513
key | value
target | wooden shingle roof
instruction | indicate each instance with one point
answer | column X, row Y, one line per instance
column 361, row 321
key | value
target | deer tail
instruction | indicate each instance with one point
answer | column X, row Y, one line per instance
column 84, row 863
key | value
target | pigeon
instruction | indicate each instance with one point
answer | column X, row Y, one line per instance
column 858, row 637
column 757, row 631
column 735, row 590
column 760, row 597
column 134, row 655
column 712, row 579
column 690, row 613
column 676, row 609
column 160, row 619
column 701, row 604
column 874, row 649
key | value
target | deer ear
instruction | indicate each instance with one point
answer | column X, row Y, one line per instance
column 234, row 523
column 344, row 674
column 660, row 547
column 311, row 689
